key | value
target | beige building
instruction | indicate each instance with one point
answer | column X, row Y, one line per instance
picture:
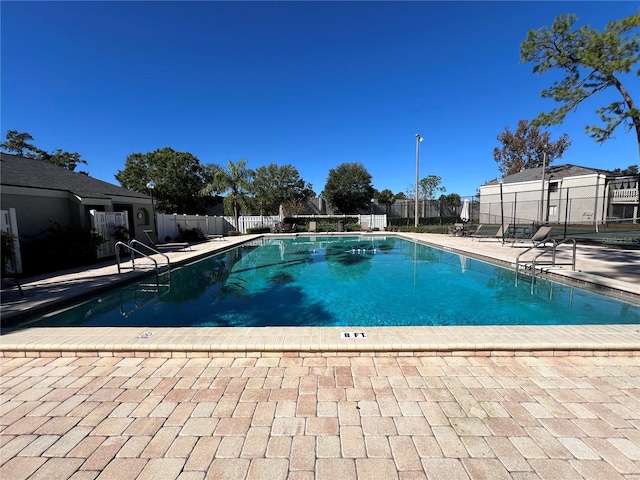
column 566, row 193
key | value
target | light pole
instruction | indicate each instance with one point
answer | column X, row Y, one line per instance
column 501, row 212
column 151, row 185
column 371, row 214
column 418, row 140
column 544, row 163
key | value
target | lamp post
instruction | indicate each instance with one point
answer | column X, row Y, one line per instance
column 151, row 185
column 501, row 212
column 371, row 213
column 544, row 163
column 418, row 140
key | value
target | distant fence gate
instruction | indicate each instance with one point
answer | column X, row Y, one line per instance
column 106, row 223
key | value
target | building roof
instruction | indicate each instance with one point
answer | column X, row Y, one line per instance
column 31, row 173
column 551, row 171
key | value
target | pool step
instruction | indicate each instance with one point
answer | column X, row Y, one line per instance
column 543, row 290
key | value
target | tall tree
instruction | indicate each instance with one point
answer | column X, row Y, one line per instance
column 591, row 62
column 274, row 185
column 429, row 185
column 385, row 197
column 68, row 160
column 18, row 143
column 348, row 187
column 178, row 178
column 427, row 188
column 236, row 180
column 630, row 170
column 525, row 148
column 451, row 200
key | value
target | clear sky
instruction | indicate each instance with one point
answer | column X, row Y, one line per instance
column 312, row 84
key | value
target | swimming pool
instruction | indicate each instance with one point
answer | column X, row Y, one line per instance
column 343, row 281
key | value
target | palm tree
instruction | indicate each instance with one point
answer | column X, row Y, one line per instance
column 235, row 179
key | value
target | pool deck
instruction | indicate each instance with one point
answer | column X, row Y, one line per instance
column 416, row 403
column 610, row 271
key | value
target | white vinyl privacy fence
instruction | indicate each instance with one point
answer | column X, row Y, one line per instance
column 107, row 223
column 169, row 225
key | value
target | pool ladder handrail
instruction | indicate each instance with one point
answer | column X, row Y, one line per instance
column 133, row 250
column 546, row 249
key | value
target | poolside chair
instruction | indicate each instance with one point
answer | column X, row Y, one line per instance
column 364, row 226
column 459, row 229
column 497, row 235
column 151, row 235
column 472, row 230
column 503, row 232
column 288, row 227
column 539, row 237
column 312, row 227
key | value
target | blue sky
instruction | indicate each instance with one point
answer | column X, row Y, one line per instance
column 312, row 84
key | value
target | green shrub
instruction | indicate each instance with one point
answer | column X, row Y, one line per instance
column 419, row 228
column 352, row 227
column 60, row 248
column 409, row 222
column 256, row 230
column 7, row 251
column 191, row 234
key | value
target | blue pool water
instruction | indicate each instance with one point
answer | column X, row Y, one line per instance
column 340, row 281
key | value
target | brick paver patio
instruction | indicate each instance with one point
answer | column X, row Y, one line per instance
column 335, row 416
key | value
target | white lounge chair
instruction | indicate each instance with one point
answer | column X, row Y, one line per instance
column 151, row 235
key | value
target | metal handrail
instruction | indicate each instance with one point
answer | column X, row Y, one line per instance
column 553, row 248
column 156, row 252
column 553, row 259
column 134, row 251
column 543, row 242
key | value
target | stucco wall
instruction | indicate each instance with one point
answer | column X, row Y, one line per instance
column 37, row 213
column 581, row 200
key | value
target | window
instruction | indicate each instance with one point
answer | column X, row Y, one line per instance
column 554, row 186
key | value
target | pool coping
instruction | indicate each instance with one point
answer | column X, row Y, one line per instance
column 194, row 341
